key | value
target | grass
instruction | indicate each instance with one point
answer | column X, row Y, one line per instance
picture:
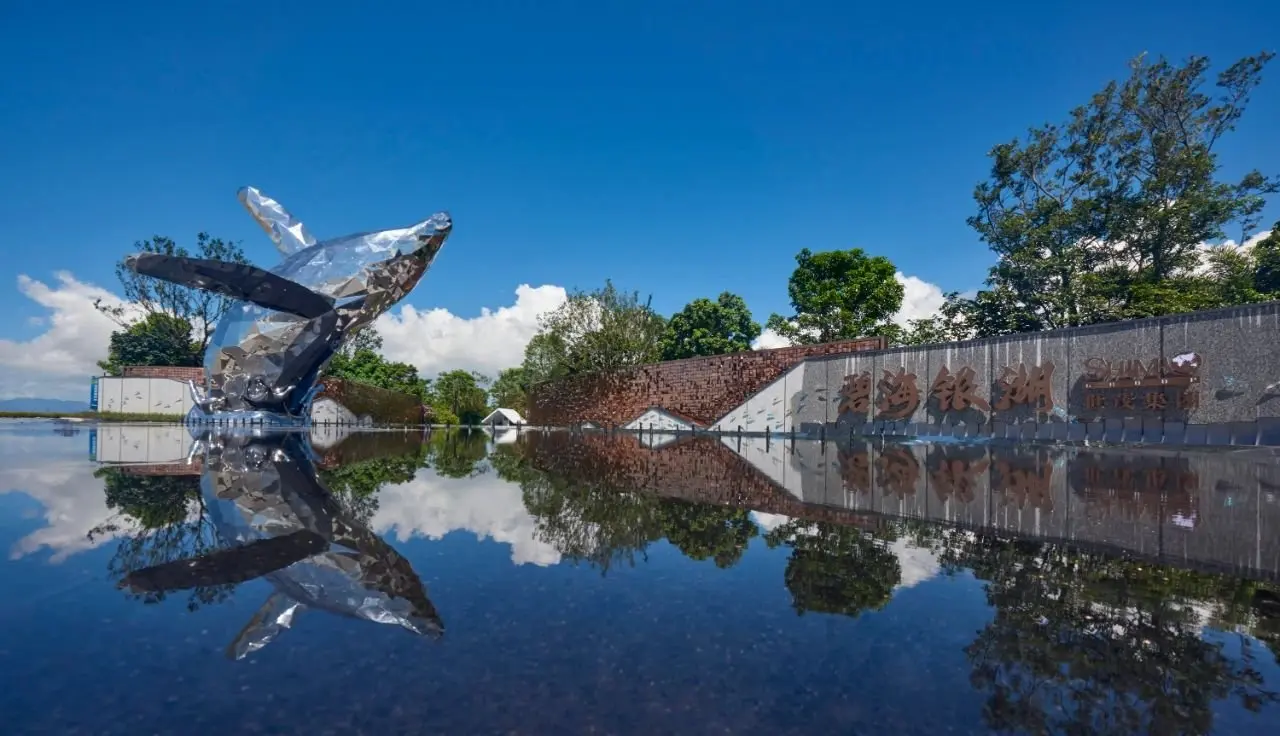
column 101, row 416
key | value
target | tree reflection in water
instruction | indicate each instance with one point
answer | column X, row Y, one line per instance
column 1090, row 644
column 162, row 519
column 835, row 568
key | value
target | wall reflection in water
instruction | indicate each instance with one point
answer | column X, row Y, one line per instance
column 1129, row 592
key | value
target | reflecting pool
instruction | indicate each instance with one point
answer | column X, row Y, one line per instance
column 473, row 583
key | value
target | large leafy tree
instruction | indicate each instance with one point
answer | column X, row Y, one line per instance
column 595, row 331
column 1102, row 216
column 706, row 327
column 200, row 309
column 463, row 394
column 156, row 339
column 1266, row 263
column 509, row 390
column 839, row 295
column 368, row 367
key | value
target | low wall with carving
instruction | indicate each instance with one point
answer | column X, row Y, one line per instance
column 1203, row 378
column 694, row 391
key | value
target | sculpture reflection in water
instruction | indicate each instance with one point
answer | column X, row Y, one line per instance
column 262, row 512
column 266, row 354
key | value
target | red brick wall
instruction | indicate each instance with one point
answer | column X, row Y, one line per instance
column 384, row 406
column 164, row 371
column 702, row 389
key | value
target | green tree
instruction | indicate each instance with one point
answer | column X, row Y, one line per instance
column 156, row 339
column 839, row 295
column 463, row 394
column 368, row 367
column 1101, row 217
column 509, row 390
column 200, row 309
column 705, row 327
column 1266, row 259
column 597, row 331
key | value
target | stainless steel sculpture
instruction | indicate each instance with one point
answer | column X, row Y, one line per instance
column 276, row 521
column 266, row 354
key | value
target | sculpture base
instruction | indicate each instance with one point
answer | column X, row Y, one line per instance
column 246, row 418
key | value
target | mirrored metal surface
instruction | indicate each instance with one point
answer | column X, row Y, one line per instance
column 267, row 352
column 275, row 520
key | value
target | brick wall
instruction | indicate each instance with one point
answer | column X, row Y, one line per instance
column 702, row 389
column 363, row 400
column 165, row 371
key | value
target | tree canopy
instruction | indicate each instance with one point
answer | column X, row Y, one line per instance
column 509, row 390
column 157, row 339
column 198, row 309
column 1104, row 216
column 839, row 295
column 595, row 331
column 706, row 327
column 463, row 394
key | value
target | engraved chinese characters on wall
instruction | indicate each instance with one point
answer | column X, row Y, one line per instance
column 855, row 394
column 899, row 394
column 1133, row 386
column 1026, row 385
column 957, row 391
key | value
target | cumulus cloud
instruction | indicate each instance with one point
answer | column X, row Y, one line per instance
column 920, row 299
column 58, row 362
column 437, row 340
column 431, row 506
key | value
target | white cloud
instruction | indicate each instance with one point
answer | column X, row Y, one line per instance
column 431, row 506
column 436, row 340
column 769, row 339
column 920, row 299
column 58, row 362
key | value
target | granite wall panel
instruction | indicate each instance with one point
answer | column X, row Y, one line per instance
column 1239, row 353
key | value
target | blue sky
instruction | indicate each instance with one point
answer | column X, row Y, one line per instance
column 678, row 148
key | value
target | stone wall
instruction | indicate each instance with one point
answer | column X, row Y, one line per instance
column 1205, row 509
column 700, row 390
column 1204, row 378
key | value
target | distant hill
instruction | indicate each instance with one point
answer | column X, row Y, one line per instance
column 43, row 405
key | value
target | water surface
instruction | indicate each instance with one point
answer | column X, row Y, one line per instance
column 555, row 584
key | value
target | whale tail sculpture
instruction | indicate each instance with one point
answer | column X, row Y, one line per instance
column 267, row 351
